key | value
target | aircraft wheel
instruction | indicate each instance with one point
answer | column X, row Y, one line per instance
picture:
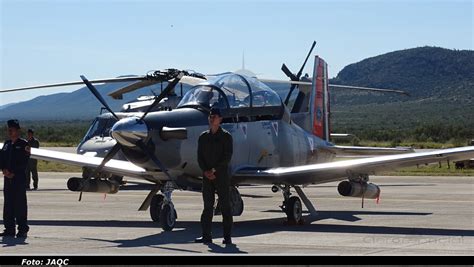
column 155, row 207
column 168, row 217
column 294, row 209
column 236, row 202
column 118, row 179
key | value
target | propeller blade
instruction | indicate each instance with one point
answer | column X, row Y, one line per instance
column 288, row 73
column 97, row 95
column 160, row 165
column 309, row 54
column 163, row 94
column 106, row 159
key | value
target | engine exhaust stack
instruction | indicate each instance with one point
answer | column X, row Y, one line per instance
column 352, row 189
column 76, row 184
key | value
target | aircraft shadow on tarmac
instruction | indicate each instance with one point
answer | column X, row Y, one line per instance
column 186, row 231
column 179, row 236
column 148, row 187
column 47, row 190
column 351, row 216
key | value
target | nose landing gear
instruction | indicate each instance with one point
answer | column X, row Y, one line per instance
column 161, row 206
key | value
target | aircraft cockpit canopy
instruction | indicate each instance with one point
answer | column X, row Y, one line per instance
column 234, row 93
column 101, row 126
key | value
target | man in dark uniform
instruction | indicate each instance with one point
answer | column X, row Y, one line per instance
column 32, row 168
column 214, row 155
column 14, row 159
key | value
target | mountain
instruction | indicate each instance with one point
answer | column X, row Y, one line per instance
column 7, row 105
column 424, row 72
column 440, row 82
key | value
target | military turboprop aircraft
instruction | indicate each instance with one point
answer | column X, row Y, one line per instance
column 98, row 141
column 273, row 146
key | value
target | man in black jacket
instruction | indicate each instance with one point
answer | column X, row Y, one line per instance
column 14, row 159
column 32, row 168
column 214, row 155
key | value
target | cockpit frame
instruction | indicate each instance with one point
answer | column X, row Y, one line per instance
column 238, row 113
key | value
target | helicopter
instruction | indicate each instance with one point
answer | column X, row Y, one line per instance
column 97, row 140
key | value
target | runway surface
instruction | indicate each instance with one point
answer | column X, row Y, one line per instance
column 416, row 216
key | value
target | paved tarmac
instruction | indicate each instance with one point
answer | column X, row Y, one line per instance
column 416, row 216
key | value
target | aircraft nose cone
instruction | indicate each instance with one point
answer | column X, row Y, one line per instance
column 128, row 131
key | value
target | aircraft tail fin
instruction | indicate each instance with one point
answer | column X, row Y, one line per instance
column 319, row 105
column 311, row 109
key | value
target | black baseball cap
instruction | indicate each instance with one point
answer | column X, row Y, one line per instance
column 31, row 131
column 13, row 124
column 215, row 111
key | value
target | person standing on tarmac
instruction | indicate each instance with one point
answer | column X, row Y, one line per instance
column 215, row 147
column 32, row 168
column 13, row 161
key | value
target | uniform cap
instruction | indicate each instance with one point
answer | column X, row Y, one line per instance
column 215, row 111
column 13, row 124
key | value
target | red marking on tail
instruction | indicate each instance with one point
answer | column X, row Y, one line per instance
column 321, row 101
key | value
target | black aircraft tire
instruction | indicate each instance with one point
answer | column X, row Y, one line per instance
column 167, row 218
column 237, row 204
column 294, row 209
column 118, row 179
column 155, row 207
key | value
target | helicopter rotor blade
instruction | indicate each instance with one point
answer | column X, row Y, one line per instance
column 111, row 80
column 288, row 73
column 304, row 63
column 350, row 87
column 298, row 75
column 163, row 94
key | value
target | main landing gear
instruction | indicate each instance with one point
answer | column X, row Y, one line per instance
column 236, row 203
column 162, row 208
column 292, row 205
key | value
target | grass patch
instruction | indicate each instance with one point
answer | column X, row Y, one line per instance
column 413, row 144
column 49, row 166
column 58, row 144
column 430, row 170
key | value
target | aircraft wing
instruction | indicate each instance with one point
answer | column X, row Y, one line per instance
column 364, row 151
column 118, row 167
column 340, row 170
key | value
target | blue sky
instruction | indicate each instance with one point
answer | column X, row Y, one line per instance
column 54, row 41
